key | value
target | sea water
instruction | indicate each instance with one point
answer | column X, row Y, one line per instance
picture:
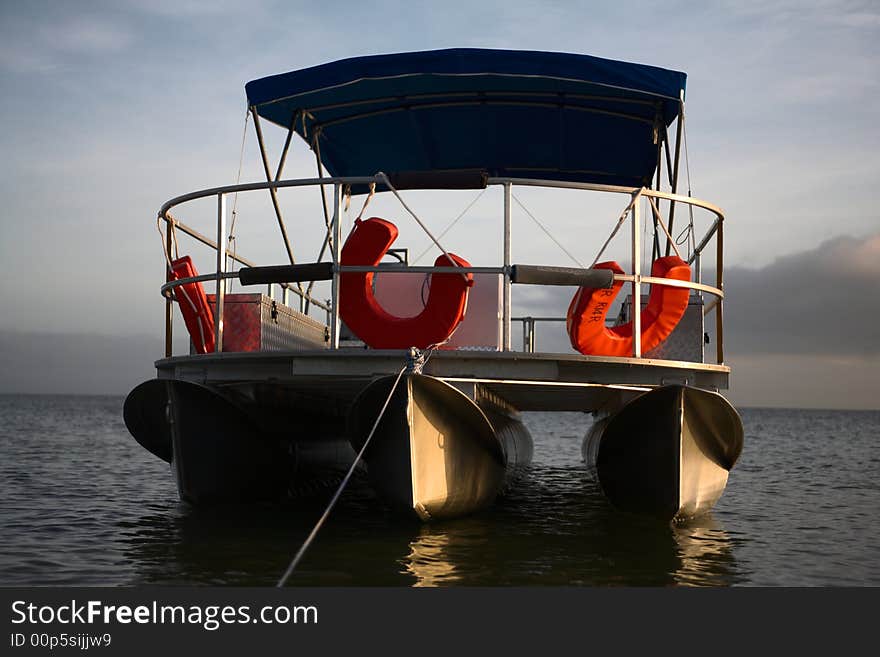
column 84, row 504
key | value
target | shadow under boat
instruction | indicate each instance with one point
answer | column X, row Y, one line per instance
column 226, row 448
column 436, row 453
column 666, row 453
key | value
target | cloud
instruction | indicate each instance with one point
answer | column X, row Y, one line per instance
column 40, row 44
column 823, row 301
column 75, row 363
column 191, row 8
column 86, row 35
column 805, row 381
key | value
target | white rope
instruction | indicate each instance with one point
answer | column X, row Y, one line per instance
column 452, row 262
column 326, row 514
column 230, row 240
column 620, row 221
column 367, row 201
column 659, row 219
column 450, row 226
column 692, row 244
column 542, row 227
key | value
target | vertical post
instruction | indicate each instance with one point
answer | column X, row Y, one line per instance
column 719, row 283
column 221, row 262
column 334, row 251
column 637, row 283
column 505, row 312
column 169, row 304
column 285, row 295
column 658, row 139
column 674, row 182
column 698, row 271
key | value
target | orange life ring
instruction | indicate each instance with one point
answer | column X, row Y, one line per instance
column 358, row 308
column 194, row 306
column 585, row 320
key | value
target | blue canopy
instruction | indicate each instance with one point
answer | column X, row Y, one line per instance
column 518, row 114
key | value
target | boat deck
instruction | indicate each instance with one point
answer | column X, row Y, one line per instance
column 528, row 381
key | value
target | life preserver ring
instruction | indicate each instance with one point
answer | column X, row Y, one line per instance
column 585, row 320
column 358, row 308
column 194, row 306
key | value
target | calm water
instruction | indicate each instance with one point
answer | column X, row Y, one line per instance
column 83, row 504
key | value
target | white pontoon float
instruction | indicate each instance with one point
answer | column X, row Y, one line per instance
column 279, row 390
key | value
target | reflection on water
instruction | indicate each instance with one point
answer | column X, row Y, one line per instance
column 553, row 529
column 85, row 505
column 586, row 543
column 429, row 562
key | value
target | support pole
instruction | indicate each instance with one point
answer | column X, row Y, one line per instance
column 304, row 301
column 505, row 313
column 719, row 283
column 637, row 283
column 169, row 304
column 284, row 151
column 658, row 139
column 221, row 263
column 334, row 250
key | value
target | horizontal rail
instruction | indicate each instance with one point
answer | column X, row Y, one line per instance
column 165, row 290
column 207, row 241
column 671, row 282
column 421, row 269
column 271, row 184
column 313, row 271
column 202, row 278
column 547, row 275
column 380, row 180
column 616, row 189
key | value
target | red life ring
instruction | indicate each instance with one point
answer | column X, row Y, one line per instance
column 194, row 306
column 666, row 305
column 447, row 299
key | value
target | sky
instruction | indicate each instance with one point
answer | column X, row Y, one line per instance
column 108, row 109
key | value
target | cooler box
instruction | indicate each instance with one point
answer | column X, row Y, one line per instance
column 686, row 342
column 255, row 322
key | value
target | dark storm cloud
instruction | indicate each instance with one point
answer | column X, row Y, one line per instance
column 74, row 363
column 825, row 301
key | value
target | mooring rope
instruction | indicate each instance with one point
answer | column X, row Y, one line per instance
column 230, row 240
column 326, row 514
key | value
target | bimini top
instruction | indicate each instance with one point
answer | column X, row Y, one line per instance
column 517, row 114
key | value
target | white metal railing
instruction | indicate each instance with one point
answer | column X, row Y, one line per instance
column 636, row 278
